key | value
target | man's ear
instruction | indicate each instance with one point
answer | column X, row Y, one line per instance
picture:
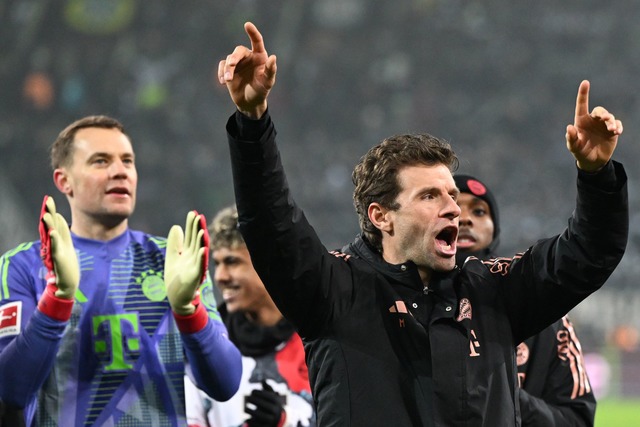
column 62, row 181
column 379, row 217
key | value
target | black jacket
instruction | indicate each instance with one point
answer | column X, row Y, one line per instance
column 554, row 387
column 556, row 391
column 380, row 351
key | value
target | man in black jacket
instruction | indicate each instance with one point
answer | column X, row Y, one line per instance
column 394, row 333
column 555, row 388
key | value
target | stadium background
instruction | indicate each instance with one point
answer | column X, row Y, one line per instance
column 496, row 78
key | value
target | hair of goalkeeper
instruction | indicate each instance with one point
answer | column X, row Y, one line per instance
column 61, row 152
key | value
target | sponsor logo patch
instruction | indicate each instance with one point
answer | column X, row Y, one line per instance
column 10, row 318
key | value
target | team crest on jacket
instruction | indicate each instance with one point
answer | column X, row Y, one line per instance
column 522, row 354
column 464, row 311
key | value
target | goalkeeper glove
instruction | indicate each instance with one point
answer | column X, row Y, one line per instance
column 60, row 259
column 186, row 264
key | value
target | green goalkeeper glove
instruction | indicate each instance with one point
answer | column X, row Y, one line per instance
column 57, row 251
column 186, row 263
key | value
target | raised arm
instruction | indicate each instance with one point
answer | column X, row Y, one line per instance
column 26, row 361
column 592, row 137
column 215, row 362
column 560, row 272
column 249, row 74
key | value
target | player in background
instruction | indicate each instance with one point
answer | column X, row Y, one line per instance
column 555, row 388
column 274, row 390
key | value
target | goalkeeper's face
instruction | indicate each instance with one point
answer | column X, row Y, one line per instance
column 101, row 179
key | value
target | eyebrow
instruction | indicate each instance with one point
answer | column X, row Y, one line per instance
column 226, row 259
column 111, row 155
column 477, row 201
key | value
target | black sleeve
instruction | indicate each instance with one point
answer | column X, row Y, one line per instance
column 537, row 412
column 297, row 270
column 555, row 274
column 555, row 386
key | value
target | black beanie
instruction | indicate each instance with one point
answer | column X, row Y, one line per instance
column 472, row 185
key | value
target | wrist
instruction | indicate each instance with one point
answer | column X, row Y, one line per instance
column 184, row 310
column 194, row 322
column 589, row 168
column 254, row 112
column 53, row 306
column 63, row 294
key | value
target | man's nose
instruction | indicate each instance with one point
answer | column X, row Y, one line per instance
column 118, row 169
column 451, row 209
column 221, row 274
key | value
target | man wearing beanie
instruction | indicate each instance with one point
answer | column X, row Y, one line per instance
column 555, row 389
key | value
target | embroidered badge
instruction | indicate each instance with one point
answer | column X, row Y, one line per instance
column 153, row 286
column 464, row 312
column 522, row 354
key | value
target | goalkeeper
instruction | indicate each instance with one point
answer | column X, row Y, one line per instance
column 98, row 320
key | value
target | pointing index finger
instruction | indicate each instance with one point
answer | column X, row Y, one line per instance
column 257, row 43
column 582, row 100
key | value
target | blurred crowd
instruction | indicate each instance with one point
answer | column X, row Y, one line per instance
column 493, row 77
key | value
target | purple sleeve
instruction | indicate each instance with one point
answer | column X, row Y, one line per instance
column 215, row 361
column 27, row 360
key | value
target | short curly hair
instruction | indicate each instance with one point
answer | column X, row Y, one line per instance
column 223, row 230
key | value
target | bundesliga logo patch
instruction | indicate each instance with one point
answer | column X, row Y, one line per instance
column 10, row 318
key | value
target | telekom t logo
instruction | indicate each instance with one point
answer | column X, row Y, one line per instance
column 116, row 334
column 474, row 345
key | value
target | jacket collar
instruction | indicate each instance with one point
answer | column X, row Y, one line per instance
column 254, row 340
column 406, row 279
column 405, row 273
